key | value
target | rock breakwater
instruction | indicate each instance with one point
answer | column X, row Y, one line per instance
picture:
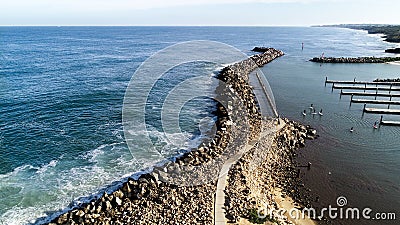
column 155, row 197
column 393, row 50
column 237, row 77
column 260, row 49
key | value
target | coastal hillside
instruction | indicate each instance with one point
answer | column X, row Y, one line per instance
column 391, row 32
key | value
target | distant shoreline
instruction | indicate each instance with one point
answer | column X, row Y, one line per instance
column 391, row 32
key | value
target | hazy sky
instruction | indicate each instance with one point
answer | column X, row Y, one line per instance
column 197, row 12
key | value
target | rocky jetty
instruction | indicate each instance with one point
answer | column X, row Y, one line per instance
column 260, row 49
column 237, row 77
column 146, row 201
column 155, row 197
column 393, row 50
column 354, row 60
column 250, row 187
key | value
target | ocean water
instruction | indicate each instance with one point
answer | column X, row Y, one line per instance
column 62, row 90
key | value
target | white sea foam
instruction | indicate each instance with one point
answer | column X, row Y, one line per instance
column 44, row 168
column 61, row 182
column 64, row 180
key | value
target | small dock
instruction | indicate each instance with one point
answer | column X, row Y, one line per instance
column 371, row 101
column 370, row 94
column 382, row 111
column 389, row 123
column 365, row 88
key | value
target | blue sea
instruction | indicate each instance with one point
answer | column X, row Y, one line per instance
column 62, row 92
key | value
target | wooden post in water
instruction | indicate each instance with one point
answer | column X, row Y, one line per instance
column 333, row 86
column 351, row 100
column 326, row 79
column 365, row 86
column 365, row 105
column 376, row 93
column 390, row 89
column 341, row 92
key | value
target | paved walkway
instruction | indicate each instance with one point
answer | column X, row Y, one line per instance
column 264, row 97
column 219, row 211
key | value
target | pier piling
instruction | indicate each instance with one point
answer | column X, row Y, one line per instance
column 351, row 100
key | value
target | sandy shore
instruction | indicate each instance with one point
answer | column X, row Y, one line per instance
column 163, row 196
column 287, row 203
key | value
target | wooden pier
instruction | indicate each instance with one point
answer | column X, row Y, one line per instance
column 359, row 82
column 371, row 101
column 381, row 111
column 365, row 88
column 388, row 123
column 370, row 94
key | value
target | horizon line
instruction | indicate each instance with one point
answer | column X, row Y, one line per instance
column 149, row 25
column 183, row 25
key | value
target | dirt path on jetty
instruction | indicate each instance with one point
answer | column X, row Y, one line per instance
column 270, row 127
column 265, row 178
